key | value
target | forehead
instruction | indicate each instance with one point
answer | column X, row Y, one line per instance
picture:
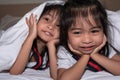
column 84, row 21
column 54, row 13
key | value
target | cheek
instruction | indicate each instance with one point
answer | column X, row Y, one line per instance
column 39, row 27
column 74, row 42
column 56, row 34
column 99, row 39
column 38, row 30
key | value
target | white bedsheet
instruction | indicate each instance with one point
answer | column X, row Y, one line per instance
column 102, row 75
column 28, row 74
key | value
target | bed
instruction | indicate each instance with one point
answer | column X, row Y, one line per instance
column 28, row 74
column 10, row 15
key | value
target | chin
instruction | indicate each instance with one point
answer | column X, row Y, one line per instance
column 87, row 52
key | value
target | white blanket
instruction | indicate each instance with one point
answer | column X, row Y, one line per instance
column 12, row 39
column 114, row 18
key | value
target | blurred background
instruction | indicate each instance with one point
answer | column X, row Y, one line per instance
column 20, row 7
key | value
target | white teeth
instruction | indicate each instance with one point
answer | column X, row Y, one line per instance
column 47, row 33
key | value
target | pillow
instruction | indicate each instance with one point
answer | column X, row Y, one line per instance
column 114, row 18
column 8, row 21
column 118, row 11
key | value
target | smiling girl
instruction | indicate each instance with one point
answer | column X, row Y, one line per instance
column 41, row 42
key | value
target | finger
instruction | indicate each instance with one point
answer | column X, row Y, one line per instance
column 35, row 20
column 27, row 21
column 57, row 40
column 103, row 43
column 31, row 19
column 105, row 39
column 73, row 50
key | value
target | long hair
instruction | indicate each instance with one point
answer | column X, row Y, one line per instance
column 82, row 9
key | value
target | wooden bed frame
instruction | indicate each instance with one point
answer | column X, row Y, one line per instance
column 111, row 4
column 21, row 9
column 16, row 10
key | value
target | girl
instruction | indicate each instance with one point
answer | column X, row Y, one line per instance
column 41, row 41
column 84, row 35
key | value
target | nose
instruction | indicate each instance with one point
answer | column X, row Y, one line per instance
column 87, row 39
column 51, row 25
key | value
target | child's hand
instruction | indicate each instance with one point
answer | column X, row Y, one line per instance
column 51, row 46
column 32, row 24
column 73, row 50
column 99, row 47
column 52, row 42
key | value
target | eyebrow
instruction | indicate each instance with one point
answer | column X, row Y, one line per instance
column 78, row 28
column 96, row 27
column 75, row 28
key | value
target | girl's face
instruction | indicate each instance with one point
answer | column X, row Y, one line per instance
column 85, row 35
column 48, row 27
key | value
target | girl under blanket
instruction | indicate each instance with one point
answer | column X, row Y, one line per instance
column 41, row 41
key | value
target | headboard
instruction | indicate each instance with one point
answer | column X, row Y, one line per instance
column 21, row 9
column 111, row 4
column 16, row 9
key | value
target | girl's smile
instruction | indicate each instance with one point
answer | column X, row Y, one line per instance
column 48, row 33
column 87, row 49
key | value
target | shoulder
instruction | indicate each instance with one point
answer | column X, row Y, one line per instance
column 65, row 59
column 112, row 52
column 62, row 51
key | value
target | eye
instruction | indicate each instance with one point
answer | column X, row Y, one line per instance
column 46, row 19
column 77, row 32
column 58, row 25
column 95, row 31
